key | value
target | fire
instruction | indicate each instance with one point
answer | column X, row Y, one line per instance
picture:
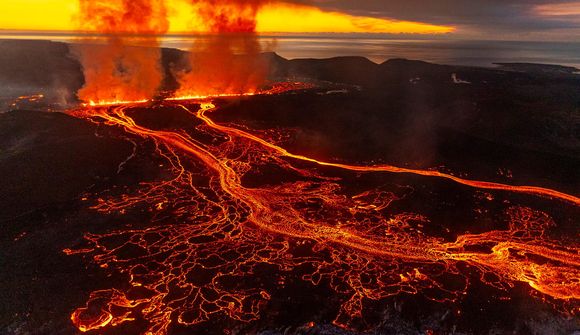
column 225, row 60
column 124, row 63
column 92, row 103
column 128, row 67
column 201, row 263
column 276, row 88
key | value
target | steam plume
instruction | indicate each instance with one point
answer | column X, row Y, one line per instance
column 225, row 60
column 127, row 66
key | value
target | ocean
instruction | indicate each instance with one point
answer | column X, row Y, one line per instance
column 441, row 51
column 380, row 48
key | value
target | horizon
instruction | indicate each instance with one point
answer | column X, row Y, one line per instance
column 281, row 34
column 377, row 48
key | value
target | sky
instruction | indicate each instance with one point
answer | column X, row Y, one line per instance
column 486, row 19
column 474, row 19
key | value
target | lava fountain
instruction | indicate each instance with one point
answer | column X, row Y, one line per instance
column 122, row 61
column 225, row 60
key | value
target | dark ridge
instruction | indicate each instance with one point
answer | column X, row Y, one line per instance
column 51, row 68
column 538, row 68
column 351, row 70
column 29, row 67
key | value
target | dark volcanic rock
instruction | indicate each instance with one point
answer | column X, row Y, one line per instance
column 47, row 161
column 351, row 70
column 50, row 158
column 31, row 67
column 539, row 68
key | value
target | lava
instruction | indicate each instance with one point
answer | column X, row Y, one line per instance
column 272, row 88
column 389, row 168
column 205, row 260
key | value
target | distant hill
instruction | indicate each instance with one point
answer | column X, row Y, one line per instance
column 51, row 68
column 539, row 68
column 30, row 67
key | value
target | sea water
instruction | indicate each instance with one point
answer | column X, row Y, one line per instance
column 379, row 48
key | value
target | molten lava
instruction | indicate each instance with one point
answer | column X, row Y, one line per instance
column 206, row 258
column 225, row 60
column 123, row 64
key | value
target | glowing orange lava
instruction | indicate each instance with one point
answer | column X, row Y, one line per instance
column 124, row 63
column 226, row 60
column 202, row 262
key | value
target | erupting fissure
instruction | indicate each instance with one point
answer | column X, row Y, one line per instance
column 226, row 59
column 124, row 62
column 205, row 261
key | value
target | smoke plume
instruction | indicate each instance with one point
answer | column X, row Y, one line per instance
column 226, row 59
column 123, row 62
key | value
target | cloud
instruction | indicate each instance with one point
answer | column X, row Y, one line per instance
column 281, row 17
column 486, row 17
column 566, row 10
column 567, row 15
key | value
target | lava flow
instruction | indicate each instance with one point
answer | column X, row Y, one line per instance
column 216, row 247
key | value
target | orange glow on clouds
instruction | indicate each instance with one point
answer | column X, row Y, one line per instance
column 284, row 17
column 559, row 9
column 60, row 15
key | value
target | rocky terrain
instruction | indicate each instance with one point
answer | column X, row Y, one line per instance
column 515, row 124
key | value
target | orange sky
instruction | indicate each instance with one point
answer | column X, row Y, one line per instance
column 59, row 15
